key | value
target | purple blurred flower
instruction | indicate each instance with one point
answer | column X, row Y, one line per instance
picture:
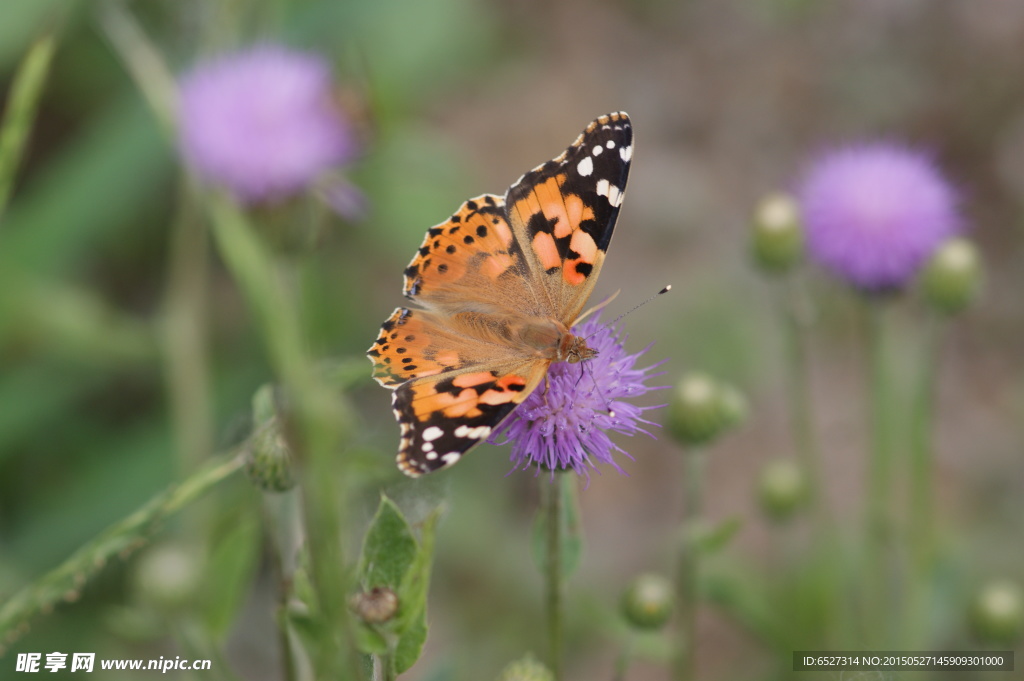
column 566, row 425
column 875, row 212
column 261, row 122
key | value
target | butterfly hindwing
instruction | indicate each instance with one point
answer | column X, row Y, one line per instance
column 444, row 416
column 563, row 212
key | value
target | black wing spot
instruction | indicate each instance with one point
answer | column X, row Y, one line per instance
column 451, row 249
column 435, row 231
column 442, row 268
column 411, row 367
column 472, row 205
column 481, row 231
column 468, row 239
column 400, row 351
column 584, row 268
column 456, row 218
column 406, row 360
column 410, row 338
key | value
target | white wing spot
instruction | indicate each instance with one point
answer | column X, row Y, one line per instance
column 478, row 433
column 431, row 456
column 450, row 458
column 432, row 433
column 597, row 150
column 626, row 153
column 428, row 446
column 610, row 144
column 585, row 167
column 613, row 193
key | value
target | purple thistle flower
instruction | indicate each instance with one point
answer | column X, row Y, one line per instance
column 566, row 425
column 874, row 213
column 261, row 122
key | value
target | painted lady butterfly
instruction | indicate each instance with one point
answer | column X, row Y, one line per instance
column 500, row 284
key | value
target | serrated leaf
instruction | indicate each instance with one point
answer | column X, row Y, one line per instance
column 229, row 574
column 389, row 548
column 572, row 536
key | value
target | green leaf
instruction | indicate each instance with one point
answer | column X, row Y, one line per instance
column 708, row 538
column 389, row 548
column 410, row 645
column 229, row 574
column 572, row 535
column 412, row 599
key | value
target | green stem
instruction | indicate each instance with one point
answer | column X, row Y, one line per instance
column 321, row 420
column 797, row 315
column 21, row 110
column 922, row 478
column 551, row 499
column 878, row 507
column 65, row 581
column 280, row 514
column 387, row 667
column 687, row 575
column 624, row 659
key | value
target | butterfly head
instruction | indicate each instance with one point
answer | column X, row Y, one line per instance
column 575, row 350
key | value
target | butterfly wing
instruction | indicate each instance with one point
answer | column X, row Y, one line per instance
column 472, row 262
column 563, row 213
column 496, row 272
column 450, row 388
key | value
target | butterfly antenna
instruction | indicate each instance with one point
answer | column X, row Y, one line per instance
column 597, row 307
column 639, row 305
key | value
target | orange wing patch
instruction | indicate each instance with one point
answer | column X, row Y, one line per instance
column 474, row 247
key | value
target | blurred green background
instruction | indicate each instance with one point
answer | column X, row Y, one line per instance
column 729, row 100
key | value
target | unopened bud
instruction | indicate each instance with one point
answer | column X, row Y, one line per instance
column 168, row 577
column 647, row 602
column 778, row 236
column 997, row 613
column 268, row 460
column 375, row 606
column 696, row 411
column 952, row 277
column 781, row 488
column 527, row 668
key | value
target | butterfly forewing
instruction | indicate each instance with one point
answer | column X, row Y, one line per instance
column 563, row 212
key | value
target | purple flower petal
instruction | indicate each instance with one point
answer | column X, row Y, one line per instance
column 565, row 425
column 261, row 122
column 875, row 212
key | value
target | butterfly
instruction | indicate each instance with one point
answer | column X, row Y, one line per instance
column 498, row 286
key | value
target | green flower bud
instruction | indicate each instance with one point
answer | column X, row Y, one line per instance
column 997, row 613
column 734, row 406
column 647, row 602
column 168, row 577
column 696, row 413
column 527, row 668
column 952, row 277
column 778, row 236
column 268, row 459
column 781, row 488
column 375, row 606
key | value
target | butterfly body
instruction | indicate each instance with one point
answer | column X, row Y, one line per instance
column 498, row 287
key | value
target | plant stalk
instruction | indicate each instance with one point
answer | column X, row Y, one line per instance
column 552, row 493
column 879, row 506
column 687, row 575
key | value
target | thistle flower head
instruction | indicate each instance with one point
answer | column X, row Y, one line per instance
column 875, row 212
column 566, row 424
column 261, row 122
